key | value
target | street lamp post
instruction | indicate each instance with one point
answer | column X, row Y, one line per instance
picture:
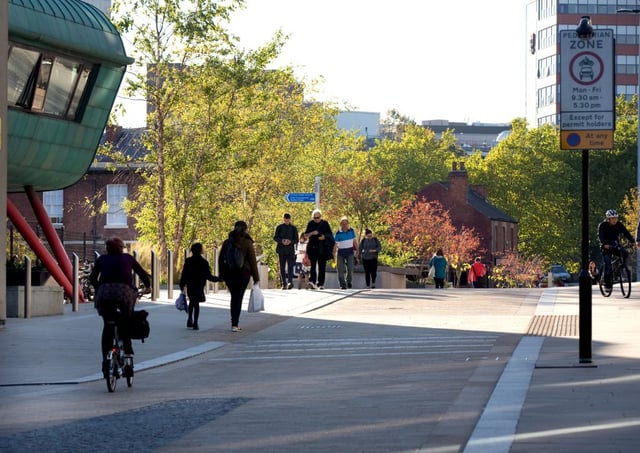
column 636, row 11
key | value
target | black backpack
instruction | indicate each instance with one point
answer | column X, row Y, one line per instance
column 232, row 257
column 140, row 325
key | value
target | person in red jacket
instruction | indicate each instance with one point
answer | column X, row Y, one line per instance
column 477, row 273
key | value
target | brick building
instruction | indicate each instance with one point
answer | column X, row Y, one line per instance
column 468, row 206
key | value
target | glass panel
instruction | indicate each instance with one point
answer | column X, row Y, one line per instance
column 21, row 73
column 53, row 204
column 77, row 95
column 62, row 82
column 41, row 84
column 116, row 194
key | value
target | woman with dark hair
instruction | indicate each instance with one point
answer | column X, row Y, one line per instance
column 112, row 276
column 195, row 273
column 440, row 263
column 238, row 279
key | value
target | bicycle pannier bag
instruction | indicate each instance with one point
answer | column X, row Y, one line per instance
column 140, row 325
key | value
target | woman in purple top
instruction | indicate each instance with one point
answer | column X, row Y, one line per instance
column 112, row 276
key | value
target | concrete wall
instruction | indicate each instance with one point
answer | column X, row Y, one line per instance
column 45, row 301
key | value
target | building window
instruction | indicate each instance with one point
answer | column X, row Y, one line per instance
column 53, row 202
column 47, row 83
column 116, row 195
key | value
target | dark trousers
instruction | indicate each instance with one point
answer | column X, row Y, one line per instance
column 108, row 332
column 317, row 276
column 194, row 311
column 439, row 282
column 287, row 263
column 370, row 271
column 237, row 285
column 195, row 297
column 606, row 257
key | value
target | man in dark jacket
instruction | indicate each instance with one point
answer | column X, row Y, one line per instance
column 286, row 237
column 319, row 248
column 195, row 273
column 609, row 232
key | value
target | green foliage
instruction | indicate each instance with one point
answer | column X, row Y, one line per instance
column 229, row 136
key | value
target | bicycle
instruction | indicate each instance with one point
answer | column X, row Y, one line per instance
column 120, row 364
column 620, row 273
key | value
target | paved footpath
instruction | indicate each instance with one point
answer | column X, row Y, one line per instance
column 381, row 371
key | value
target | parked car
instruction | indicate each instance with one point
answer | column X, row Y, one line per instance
column 560, row 272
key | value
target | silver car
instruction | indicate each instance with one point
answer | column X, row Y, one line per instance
column 560, row 272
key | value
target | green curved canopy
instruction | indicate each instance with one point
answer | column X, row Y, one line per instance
column 50, row 150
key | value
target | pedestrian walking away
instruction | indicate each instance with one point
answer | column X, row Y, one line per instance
column 369, row 249
column 236, row 276
column 440, row 265
column 477, row 273
column 319, row 248
column 346, row 253
column 286, row 237
column 112, row 276
column 195, row 273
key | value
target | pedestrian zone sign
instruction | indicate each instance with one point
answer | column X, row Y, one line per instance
column 587, row 86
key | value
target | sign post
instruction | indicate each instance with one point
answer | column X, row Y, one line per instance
column 587, row 121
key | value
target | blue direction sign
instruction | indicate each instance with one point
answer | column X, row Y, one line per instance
column 301, row 197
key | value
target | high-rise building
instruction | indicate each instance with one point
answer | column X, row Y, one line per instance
column 545, row 19
column 102, row 5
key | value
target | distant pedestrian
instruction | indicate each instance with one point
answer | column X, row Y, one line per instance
column 346, row 253
column 195, row 273
column 303, row 264
column 319, row 248
column 237, row 280
column 369, row 249
column 440, row 264
column 286, row 237
column 477, row 273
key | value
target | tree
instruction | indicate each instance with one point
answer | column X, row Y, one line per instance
column 422, row 227
column 168, row 36
column 415, row 160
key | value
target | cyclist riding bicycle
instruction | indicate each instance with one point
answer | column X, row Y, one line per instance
column 112, row 276
column 609, row 232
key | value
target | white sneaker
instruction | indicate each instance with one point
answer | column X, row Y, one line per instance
column 312, row 285
column 320, row 287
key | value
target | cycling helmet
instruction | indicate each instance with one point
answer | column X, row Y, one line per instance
column 611, row 213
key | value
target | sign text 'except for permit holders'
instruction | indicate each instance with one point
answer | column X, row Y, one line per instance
column 301, row 197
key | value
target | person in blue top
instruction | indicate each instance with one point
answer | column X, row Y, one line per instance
column 347, row 252
column 440, row 263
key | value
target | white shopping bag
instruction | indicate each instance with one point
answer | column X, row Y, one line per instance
column 256, row 299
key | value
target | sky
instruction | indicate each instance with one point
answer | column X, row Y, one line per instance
column 461, row 60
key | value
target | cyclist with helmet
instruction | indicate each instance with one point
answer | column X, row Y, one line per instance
column 609, row 232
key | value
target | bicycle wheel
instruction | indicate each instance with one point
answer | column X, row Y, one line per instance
column 112, row 378
column 606, row 292
column 625, row 281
